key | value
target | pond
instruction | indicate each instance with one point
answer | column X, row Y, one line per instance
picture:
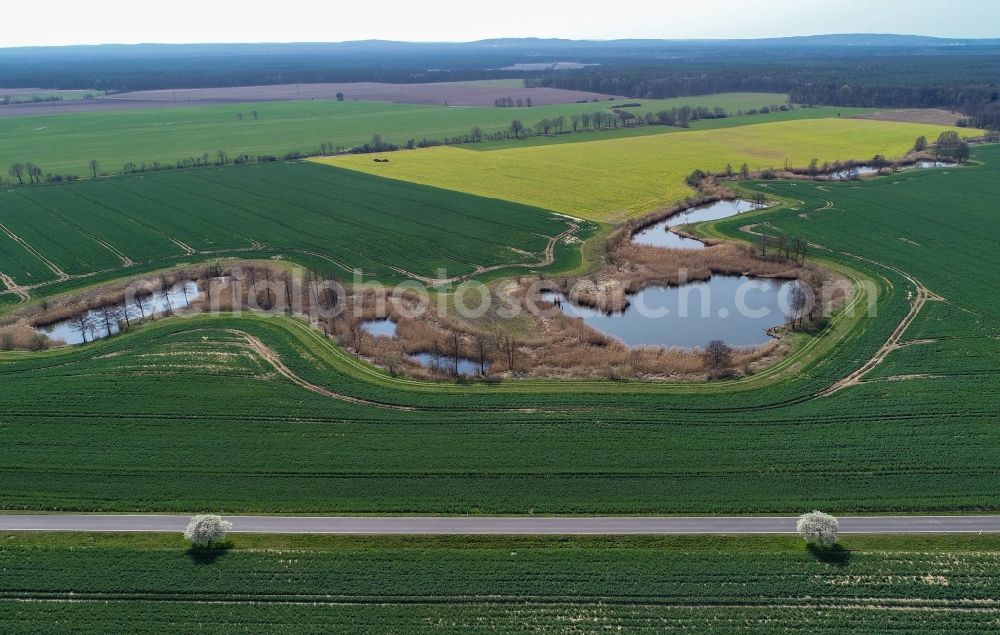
column 94, row 326
column 659, row 235
column 738, row 310
column 853, row 173
column 383, row 327
column 867, row 170
column 446, row 363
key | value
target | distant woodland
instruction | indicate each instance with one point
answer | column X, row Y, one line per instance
column 869, row 71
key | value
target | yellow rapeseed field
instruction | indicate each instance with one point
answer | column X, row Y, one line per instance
column 613, row 179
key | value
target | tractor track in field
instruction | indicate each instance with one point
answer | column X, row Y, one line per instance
column 187, row 249
column 51, row 266
column 257, row 346
column 894, row 342
column 923, row 295
column 549, row 257
column 126, row 261
column 14, row 287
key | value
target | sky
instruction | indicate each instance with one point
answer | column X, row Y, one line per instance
column 179, row 21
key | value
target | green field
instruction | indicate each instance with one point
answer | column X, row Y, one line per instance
column 333, row 220
column 286, row 584
column 64, row 144
column 614, row 179
column 769, row 443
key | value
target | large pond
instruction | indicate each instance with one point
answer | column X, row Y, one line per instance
column 659, row 235
column 738, row 310
column 94, row 326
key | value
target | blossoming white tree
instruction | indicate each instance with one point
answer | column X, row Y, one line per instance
column 817, row 528
column 205, row 529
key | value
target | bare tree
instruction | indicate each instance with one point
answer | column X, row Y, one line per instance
column 121, row 315
column 509, row 345
column 797, row 303
column 288, row 292
column 482, row 343
column 94, row 166
column 517, row 128
column 34, row 172
column 762, row 241
column 800, row 249
column 17, row 171
column 455, row 351
column 108, row 317
column 39, row 341
column 142, row 303
column 82, row 324
column 718, row 359
column 165, row 296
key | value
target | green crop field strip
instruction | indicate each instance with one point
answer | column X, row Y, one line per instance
column 336, row 220
column 617, row 178
column 101, row 583
column 64, row 144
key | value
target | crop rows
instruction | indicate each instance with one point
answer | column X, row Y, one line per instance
column 330, row 219
column 461, row 584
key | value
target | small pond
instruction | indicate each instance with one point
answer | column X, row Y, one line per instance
column 379, row 328
column 867, row 170
column 738, row 310
column 853, row 173
column 659, row 235
column 446, row 363
column 96, row 327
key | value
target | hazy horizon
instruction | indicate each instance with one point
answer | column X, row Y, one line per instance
column 189, row 22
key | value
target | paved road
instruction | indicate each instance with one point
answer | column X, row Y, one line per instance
column 498, row 525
